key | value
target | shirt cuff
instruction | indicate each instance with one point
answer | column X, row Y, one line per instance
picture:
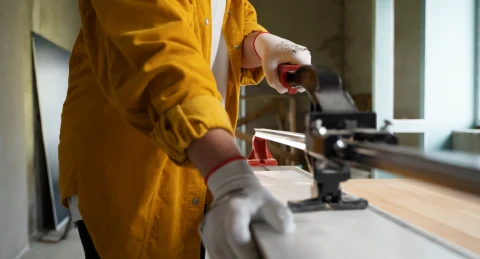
column 187, row 122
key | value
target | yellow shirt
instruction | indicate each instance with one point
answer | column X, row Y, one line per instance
column 140, row 90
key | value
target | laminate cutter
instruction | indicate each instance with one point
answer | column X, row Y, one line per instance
column 339, row 136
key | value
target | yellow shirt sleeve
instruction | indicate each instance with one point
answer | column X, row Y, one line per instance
column 150, row 66
column 255, row 75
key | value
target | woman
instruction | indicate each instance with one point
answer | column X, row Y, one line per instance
column 149, row 117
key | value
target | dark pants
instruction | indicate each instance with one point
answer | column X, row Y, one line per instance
column 89, row 248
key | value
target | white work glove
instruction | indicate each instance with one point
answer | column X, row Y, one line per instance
column 275, row 51
column 239, row 198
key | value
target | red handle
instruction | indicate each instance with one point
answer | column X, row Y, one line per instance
column 283, row 72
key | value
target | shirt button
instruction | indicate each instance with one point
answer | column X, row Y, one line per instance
column 195, row 201
column 236, row 47
column 206, row 21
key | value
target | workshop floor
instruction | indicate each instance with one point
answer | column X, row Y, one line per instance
column 70, row 248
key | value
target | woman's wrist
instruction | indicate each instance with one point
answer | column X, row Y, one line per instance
column 211, row 150
column 250, row 58
column 254, row 44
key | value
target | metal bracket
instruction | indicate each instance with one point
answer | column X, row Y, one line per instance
column 328, row 175
column 260, row 155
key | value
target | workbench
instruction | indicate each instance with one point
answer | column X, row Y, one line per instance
column 405, row 219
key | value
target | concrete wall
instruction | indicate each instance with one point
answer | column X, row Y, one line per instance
column 316, row 24
column 408, row 93
column 15, row 76
column 57, row 20
column 408, row 48
column 358, row 46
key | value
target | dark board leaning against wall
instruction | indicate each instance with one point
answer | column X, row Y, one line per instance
column 51, row 73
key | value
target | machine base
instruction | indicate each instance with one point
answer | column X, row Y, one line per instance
column 316, row 204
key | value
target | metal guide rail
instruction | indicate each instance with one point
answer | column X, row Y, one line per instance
column 451, row 169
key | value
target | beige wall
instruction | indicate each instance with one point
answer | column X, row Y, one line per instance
column 15, row 25
column 316, row 24
column 57, row 20
column 358, row 46
column 407, row 81
column 407, row 59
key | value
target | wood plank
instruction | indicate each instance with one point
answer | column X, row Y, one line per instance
column 449, row 214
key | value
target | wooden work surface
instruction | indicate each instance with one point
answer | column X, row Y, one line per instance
column 448, row 214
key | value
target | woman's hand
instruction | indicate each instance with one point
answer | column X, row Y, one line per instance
column 275, row 51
